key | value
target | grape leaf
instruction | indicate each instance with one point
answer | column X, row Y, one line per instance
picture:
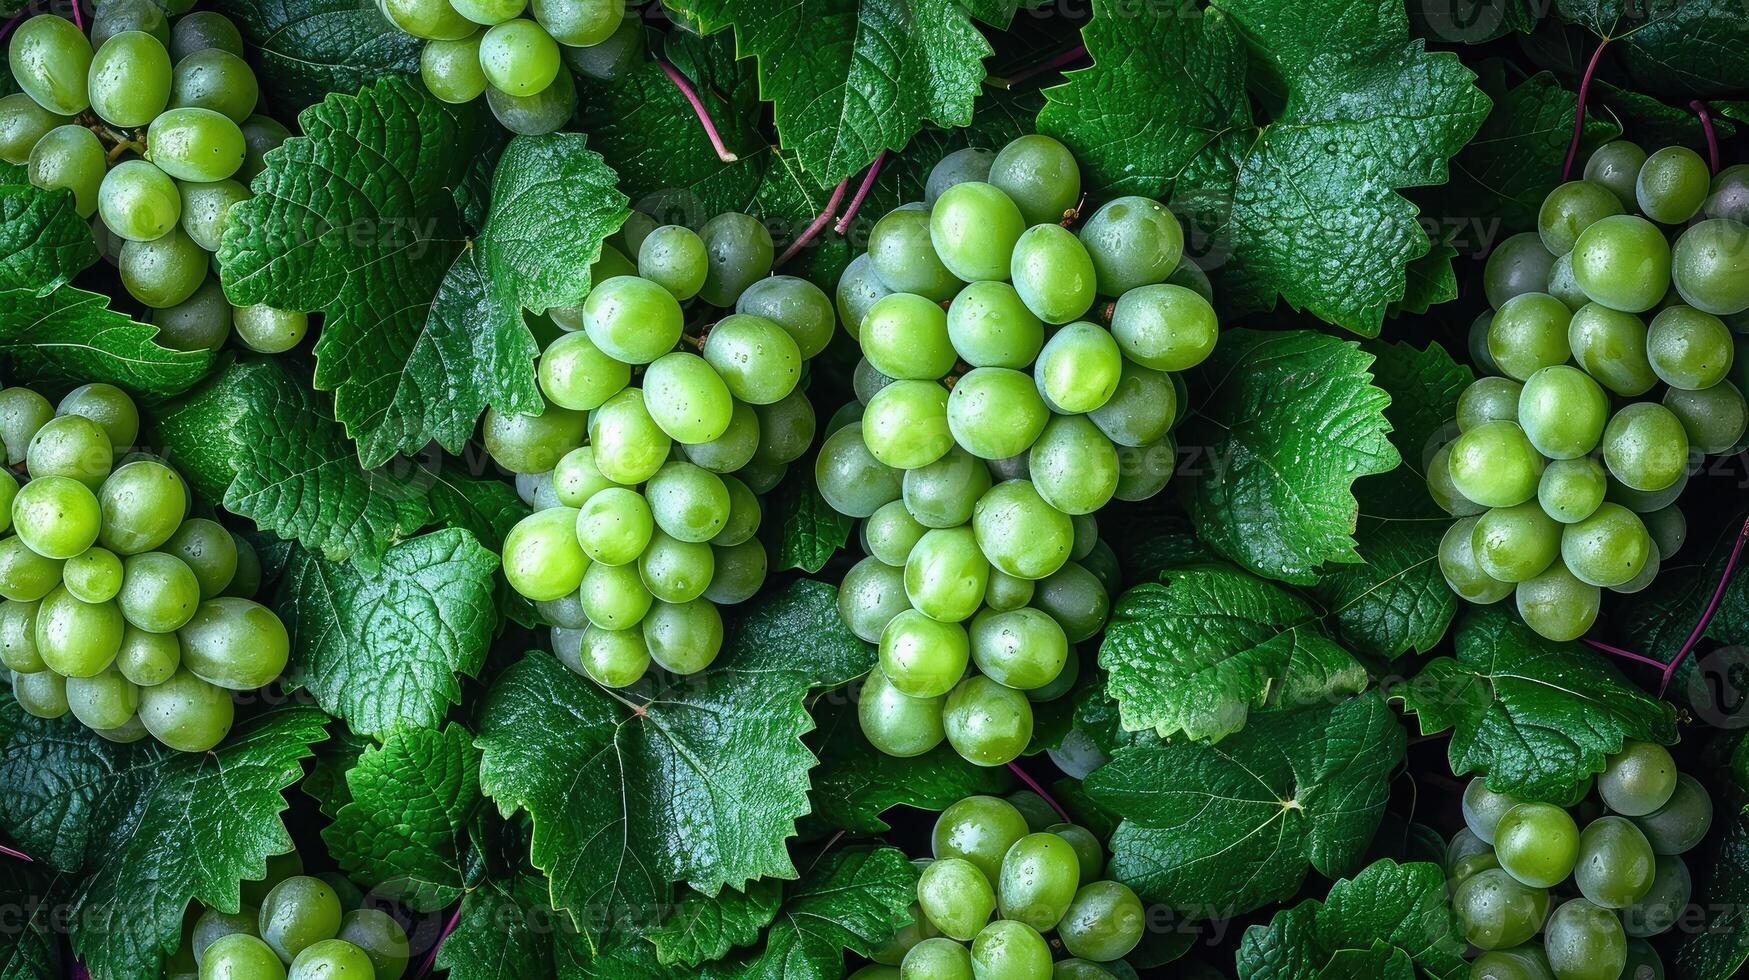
column 424, row 329
column 1375, row 962
column 1539, row 718
column 1717, row 948
column 1196, row 650
column 809, row 532
column 1476, row 23
column 1289, row 421
column 43, row 241
column 850, row 78
column 29, row 946
column 381, row 648
column 485, row 507
column 70, row 337
column 505, row 931
column 404, row 831
column 1679, row 49
column 119, row 815
column 1219, row 830
column 1304, row 204
column 699, row 779
column 1424, row 385
column 856, row 782
column 852, row 899
column 1396, row 599
column 1401, row 906
column 1429, row 281
column 326, row 781
column 304, row 49
column 703, row 928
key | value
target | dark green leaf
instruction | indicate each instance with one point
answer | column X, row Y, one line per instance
column 43, row 241
column 809, row 532
column 305, row 49
column 1402, row 907
column 703, row 928
column 1718, row 948
column 853, row 899
column 70, row 337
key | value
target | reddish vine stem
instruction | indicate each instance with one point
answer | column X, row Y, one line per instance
column 1579, row 112
column 1706, row 617
column 1068, row 57
column 1706, row 126
column 820, row 221
column 862, row 190
column 20, row 855
column 704, row 116
column 78, row 19
column 1033, row 785
column 430, row 961
column 1625, row 654
column 78, row 972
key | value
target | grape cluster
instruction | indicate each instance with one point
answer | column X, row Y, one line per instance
column 647, row 489
column 118, row 606
column 1611, row 884
column 1035, row 876
column 1611, row 354
column 300, row 928
column 156, row 154
column 993, row 420
column 475, row 47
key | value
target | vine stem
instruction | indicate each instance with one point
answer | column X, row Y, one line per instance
column 862, row 190
column 1033, row 785
column 430, row 960
column 1706, row 617
column 1706, row 126
column 1626, row 654
column 1579, row 112
column 1068, row 57
column 820, row 221
column 20, row 855
column 78, row 19
column 704, row 116
column 7, row 29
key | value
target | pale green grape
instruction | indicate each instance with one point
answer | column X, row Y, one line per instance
column 1585, row 942
column 614, row 658
column 1681, row 823
column 534, row 115
column 1462, row 571
column 1104, row 922
column 851, row 479
column 69, row 157
column 1141, row 411
column 18, row 637
column 1623, row 262
column 1689, row 349
column 1165, row 327
column 142, row 503
column 945, row 493
column 1496, row 911
column 381, row 939
column 786, row 428
column 200, row 322
column 1529, row 333
column 429, row 19
column 240, row 956
column 1710, row 266
column 1562, row 285
column 1490, row 399
column 614, row 597
column 1611, row 346
column 542, row 557
column 946, row 573
column 1608, row 548
column 299, row 913
column 956, row 897
column 905, row 336
column 186, row 713
column 205, row 209
column 632, row 319
column 1495, row 465
column 1644, row 502
column 1557, row 605
column 890, row 532
column 797, row 305
column 1074, row 467
column 1040, row 175
column 738, row 247
column 22, row 123
column 1191, row 277
column 682, row 392
column 629, row 446
column 744, row 515
column 966, row 163
column 1039, row 878
column 974, row 228
column 989, row 326
column 1671, row 185
column 56, row 516
column 104, row 700
column 112, row 17
column 1616, row 865
column 1075, row 598
column 1519, row 265
column 108, row 406
column 866, row 379
column 673, row 257
column 159, row 594
column 216, row 80
column 148, row 659
column 1616, row 165
column 937, row 959
column 1668, row 527
column 757, row 359
column 858, row 290
column 1513, row 544
column 166, row 271
column 260, row 134
column 1020, row 532
column 580, row 23
column 195, row 144
column 1022, row 648
column 1663, row 902
column 871, row 594
column 923, row 657
column 1079, row 368
column 1133, row 241
column 906, row 426
column 987, row 724
column 1728, row 197
column 208, row 550
column 42, row 694
column 1715, row 418
column 674, row 570
column 896, row 723
column 995, row 413
column 1537, row 843
column 1011, row 950
column 533, row 443
column 732, row 450
column 50, row 59
column 130, row 79
column 1053, row 273
column 72, row 446
column 1645, row 447
column 689, row 503
column 1571, row 208
column 1562, row 412
column 1483, row 808
column 138, row 201
column 1443, row 491
column 614, row 526
column 1572, row 489
column 268, row 330
column 451, row 68
column 684, row 637
column 979, row 829
column 201, row 30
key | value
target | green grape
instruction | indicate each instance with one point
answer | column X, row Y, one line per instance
column 201, row 322
column 166, row 271
column 200, row 31
column 974, row 228
column 786, row 428
column 979, row 829
column 1141, row 411
column 1191, row 277
column 208, row 550
column 93, row 576
column 1519, row 265
column 1133, row 241
column 240, row 956
column 1616, row 864
column 945, row 493
column 739, row 250
column 896, row 723
column 246, row 580
column 1467, row 854
column 1005, row 592
column 1674, row 828
column 103, row 701
column 1011, row 950
column 1562, row 286
column 684, row 637
column 214, row 925
column 966, row 163
column 279, row 867
column 905, row 336
column 1611, row 346
column 744, row 515
column 1053, row 273
column 429, row 19
column 1165, row 327
column 71, row 446
column 235, row 644
column 69, row 157
column 195, row 144
column 1090, row 856
column 108, row 406
column 1557, row 605
column 1075, row 598
column 542, row 557
column 1671, row 185
column 1483, row 808
column 1529, row 333
column 18, row 637
column 1562, row 412
column 1623, row 262
column 451, row 69
column 946, row 573
column 576, row 477
column 1669, row 530
column 866, row 379
column 489, row 12
column 890, row 532
column 851, row 479
column 148, row 659
column 1478, row 342
column 674, row 570
column 1033, row 807
column 1537, row 843
column 1616, row 165
column 615, row 597
column 112, row 17
column 216, row 80
column 689, row 503
column 142, row 504
column 1728, row 196
column 1086, row 535
column 1689, row 349
column 1608, row 548
column 25, row 575
column 859, row 288
column 631, row 319
column 1039, row 878
column 1513, row 544
column 891, row 953
column 1490, row 399
column 1020, row 532
column 987, row 724
column 995, row 413
column 56, row 517
column 905, row 425
column 629, row 446
column 1663, row 901
column 1443, row 491
column 1496, row 911
column 534, row 115
column 1022, row 648
column 580, row 23
column 989, row 326
column 937, row 959
column 1073, row 465
column 130, row 79
column 756, row 358
column 614, row 658
column 205, row 209
column 382, row 940
column 534, row 443
column 1715, row 418
column 298, row 913
column 22, row 124
column 22, row 413
column 1079, row 368
column 42, row 694
column 1526, row 962
column 50, row 59
column 1495, row 465
column 159, row 593
column 630, row 237
column 673, row 257
column 1040, row 175
column 1103, row 923
column 1572, row 489
column 801, row 308
column 186, row 713
column 732, row 450
column 682, row 392
column 956, row 897
column 1462, row 571
column 1645, row 447
column 260, row 134
column 1571, row 208
column 267, row 330
column 1585, row 942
